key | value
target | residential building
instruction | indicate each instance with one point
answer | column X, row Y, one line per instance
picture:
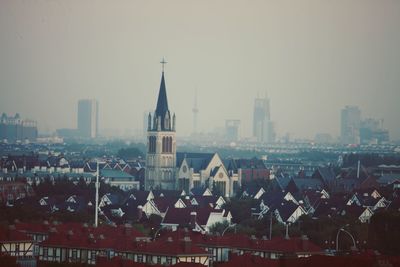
column 88, row 118
column 15, row 129
column 372, row 132
column 263, row 127
column 350, row 125
column 232, row 130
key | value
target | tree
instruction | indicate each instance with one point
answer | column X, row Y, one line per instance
column 130, row 153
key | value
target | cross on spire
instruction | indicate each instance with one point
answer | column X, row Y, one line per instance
column 163, row 62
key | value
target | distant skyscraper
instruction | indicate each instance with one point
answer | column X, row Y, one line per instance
column 88, row 118
column 195, row 111
column 15, row 129
column 263, row 127
column 350, row 125
column 232, row 130
column 372, row 132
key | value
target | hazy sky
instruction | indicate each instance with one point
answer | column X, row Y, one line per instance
column 312, row 57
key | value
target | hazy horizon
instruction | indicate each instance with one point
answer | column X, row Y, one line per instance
column 311, row 57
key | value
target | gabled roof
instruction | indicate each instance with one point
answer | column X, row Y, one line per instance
column 181, row 216
column 199, row 191
column 282, row 181
column 286, row 209
column 308, row 183
column 197, row 161
column 388, row 178
column 325, row 173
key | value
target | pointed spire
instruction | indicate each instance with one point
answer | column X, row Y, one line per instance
column 162, row 112
column 162, row 102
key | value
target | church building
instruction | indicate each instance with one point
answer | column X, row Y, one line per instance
column 165, row 169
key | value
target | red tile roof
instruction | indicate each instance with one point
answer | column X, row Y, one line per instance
column 11, row 235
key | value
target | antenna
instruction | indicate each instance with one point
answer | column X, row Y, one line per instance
column 96, row 213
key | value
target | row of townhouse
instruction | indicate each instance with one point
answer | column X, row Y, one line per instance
column 199, row 209
column 288, row 206
column 80, row 243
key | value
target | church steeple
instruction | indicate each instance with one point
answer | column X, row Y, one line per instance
column 161, row 144
column 162, row 116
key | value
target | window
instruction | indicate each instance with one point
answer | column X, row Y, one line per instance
column 152, row 144
column 74, row 254
column 220, row 188
column 169, row 260
column 167, row 144
column 140, row 258
column 16, row 248
column 193, row 259
column 45, row 252
column 158, row 259
column 196, row 184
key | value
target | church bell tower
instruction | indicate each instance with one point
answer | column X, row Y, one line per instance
column 161, row 143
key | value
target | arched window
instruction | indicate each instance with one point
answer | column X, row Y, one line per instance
column 165, row 144
column 152, row 144
column 170, row 144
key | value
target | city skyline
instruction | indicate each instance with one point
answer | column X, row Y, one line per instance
column 313, row 59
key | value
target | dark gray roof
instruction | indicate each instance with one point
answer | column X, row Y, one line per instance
column 308, row 183
column 197, row 161
column 388, row 178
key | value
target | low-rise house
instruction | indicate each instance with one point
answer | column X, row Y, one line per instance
column 121, row 179
column 15, row 243
column 12, row 191
column 200, row 219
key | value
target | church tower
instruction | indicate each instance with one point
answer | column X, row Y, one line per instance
column 161, row 144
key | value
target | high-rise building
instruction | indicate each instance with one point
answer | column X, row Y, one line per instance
column 161, row 144
column 195, row 111
column 88, row 118
column 15, row 129
column 350, row 125
column 232, row 130
column 263, row 127
column 372, row 132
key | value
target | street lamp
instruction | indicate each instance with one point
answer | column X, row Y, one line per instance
column 155, row 235
column 347, row 232
column 229, row 226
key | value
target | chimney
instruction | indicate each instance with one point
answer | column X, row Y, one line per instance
column 187, row 244
column 139, row 212
column 70, row 234
column 193, row 218
column 52, row 231
column 358, row 169
column 304, row 243
column 91, row 239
